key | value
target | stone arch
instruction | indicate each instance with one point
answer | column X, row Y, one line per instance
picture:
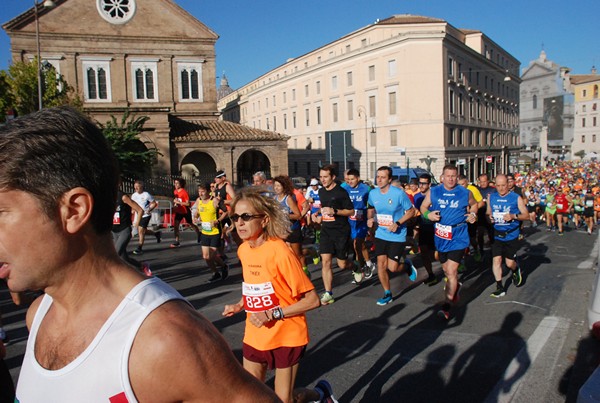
column 251, row 161
column 198, row 164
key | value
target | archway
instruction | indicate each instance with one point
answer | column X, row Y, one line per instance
column 250, row 162
column 198, row 164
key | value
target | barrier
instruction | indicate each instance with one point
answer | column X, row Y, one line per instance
column 594, row 308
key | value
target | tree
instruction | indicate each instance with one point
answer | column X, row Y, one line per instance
column 134, row 159
column 20, row 88
column 580, row 154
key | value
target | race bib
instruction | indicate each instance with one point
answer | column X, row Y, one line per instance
column 358, row 215
column 259, row 297
column 328, row 217
column 531, row 203
column 385, row 220
column 443, row 231
column 317, row 204
column 549, row 204
column 116, row 218
column 559, row 206
column 498, row 217
column 207, row 226
column 589, row 203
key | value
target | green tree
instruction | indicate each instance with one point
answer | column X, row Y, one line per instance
column 580, row 154
column 135, row 160
column 20, row 88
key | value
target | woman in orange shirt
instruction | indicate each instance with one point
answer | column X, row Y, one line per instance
column 275, row 293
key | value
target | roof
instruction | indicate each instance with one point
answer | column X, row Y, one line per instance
column 217, row 130
column 409, row 19
column 584, row 78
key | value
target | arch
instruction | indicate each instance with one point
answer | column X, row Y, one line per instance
column 249, row 162
column 198, row 164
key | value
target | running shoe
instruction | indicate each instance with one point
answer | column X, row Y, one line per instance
column 369, row 270
column 412, row 271
column 307, row 272
column 224, row 272
column 444, row 311
column 386, row 299
column 138, row 251
column 146, row 269
column 560, row 233
column 158, row 235
column 215, row 277
column 498, row 293
column 325, row 392
column 477, row 256
column 517, row 277
column 431, row 281
column 358, row 277
column 327, row 298
column 316, row 260
column 175, row 244
column 456, row 297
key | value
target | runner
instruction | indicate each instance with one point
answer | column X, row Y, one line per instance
column 563, row 207
column 483, row 225
column 389, row 211
column 210, row 224
column 426, row 231
column 147, row 203
column 276, row 293
column 550, row 211
column 451, row 205
column 359, row 194
column 588, row 211
column 464, row 182
column 336, row 207
column 182, row 211
column 506, row 210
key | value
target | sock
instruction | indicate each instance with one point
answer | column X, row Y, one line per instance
column 499, row 284
column 369, row 263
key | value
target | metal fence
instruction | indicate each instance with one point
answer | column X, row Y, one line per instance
column 163, row 186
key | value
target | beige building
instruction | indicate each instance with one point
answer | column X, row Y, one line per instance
column 587, row 113
column 407, row 90
column 157, row 60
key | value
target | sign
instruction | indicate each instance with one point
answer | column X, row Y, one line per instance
column 489, row 159
column 400, row 150
column 338, row 145
column 461, row 161
column 512, row 160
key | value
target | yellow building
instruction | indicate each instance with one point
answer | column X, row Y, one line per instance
column 587, row 113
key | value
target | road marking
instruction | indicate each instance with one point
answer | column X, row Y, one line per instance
column 589, row 262
column 518, row 303
column 533, row 347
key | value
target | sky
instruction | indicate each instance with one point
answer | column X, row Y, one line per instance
column 258, row 35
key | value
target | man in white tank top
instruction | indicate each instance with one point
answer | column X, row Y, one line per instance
column 102, row 332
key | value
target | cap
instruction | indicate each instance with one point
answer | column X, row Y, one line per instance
column 220, row 174
column 314, row 182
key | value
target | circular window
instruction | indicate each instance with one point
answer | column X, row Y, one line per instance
column 116, row 11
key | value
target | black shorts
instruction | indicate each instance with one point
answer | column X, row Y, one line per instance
column 393, row 250
column 531, row 208
column 427, row 236
column 145, row 221
column 588, row 212
column 213, row 241
column 506, row 249
column 187, row 216
column 454, row 255
column 472, row 229
column 295, row 236
column 337, row 244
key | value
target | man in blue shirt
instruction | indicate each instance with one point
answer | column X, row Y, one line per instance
column 453, row 206
column 506, row 210
column 389, row 210
column 359, row 194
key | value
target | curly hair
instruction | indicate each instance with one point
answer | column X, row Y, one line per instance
column 278, row 225
column 286, row 182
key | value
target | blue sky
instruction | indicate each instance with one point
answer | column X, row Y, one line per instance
column 259, row 35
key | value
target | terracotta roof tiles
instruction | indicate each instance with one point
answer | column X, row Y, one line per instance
column 216, row 130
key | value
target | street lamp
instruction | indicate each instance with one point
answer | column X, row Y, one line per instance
column 361, row 110
column 374, row 133
column 47, row 4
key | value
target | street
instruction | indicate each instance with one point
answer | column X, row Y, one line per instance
column 532, row 345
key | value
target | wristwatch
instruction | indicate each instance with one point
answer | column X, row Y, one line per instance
column 335, row 211
column 277, row 314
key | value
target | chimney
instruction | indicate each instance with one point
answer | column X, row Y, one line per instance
column 594, row 70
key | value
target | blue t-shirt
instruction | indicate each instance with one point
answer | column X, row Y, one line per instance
column 316, row 204
column 360, row 197
column 501, row 205
column 451, row 231
column 390, row 207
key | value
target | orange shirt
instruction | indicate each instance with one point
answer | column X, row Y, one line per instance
column 274, row 266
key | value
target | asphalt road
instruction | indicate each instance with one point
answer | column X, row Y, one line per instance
column 532, row 345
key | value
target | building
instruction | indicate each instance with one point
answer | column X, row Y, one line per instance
column 586, row 140
column 154, row 59
column 546, row 114
column 407, row 90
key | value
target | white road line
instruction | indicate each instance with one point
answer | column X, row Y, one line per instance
column 589, row 262
column 534, row 345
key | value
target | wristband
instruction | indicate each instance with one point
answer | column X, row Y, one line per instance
column 426, row 214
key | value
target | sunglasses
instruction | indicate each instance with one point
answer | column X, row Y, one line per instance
column 423, row 183
column 245, row 217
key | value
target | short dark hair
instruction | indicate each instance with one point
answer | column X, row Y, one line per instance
column 205, row 186
column 450, row 167
column 329, row 168
column 414, row 181
column 386, row 168
column 50, row 152
column 425, row 176
column 461, row 177
column 353, row 172
column 181, row 181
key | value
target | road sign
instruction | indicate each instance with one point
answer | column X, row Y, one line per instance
column 461, row 161
column 512, row 160
column 489, row 159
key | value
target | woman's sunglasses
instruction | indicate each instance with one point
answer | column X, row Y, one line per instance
column 245, row 217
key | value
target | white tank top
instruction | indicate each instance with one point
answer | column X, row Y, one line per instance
column 101, row 372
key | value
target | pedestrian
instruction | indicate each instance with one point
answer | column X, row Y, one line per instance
column 506, row 210
column 148, row 204
column 101, row 332
column 182, row 210
column 275, row 293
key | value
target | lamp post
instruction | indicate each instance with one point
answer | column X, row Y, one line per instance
column 374, row 133
column 47, row 4
column 362, row 111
